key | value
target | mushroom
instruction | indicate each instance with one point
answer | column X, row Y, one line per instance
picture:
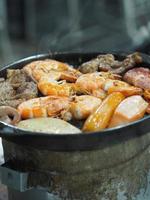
column 9, row 115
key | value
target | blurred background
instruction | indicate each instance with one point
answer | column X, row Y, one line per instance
column 30, row 27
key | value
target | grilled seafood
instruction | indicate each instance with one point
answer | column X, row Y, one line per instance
column 53, row 87
column 121, row 86
column 43, row 107
column 9, row 115
column 93, row 83
column 100, row 85
column 90, row 83
column 78, row 107
column 81, row 107
column 48, row 74
column 53, row 69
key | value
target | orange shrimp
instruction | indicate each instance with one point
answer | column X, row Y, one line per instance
column 146, row 94
column 38, row 68
column 51, row 68
column 93, row 81
column 48, row 73
column 81, row 107
column 102, row 83
column 121, row 86
column 43, row 107
column 91, row 84
column 78, row 107
column 56, row 88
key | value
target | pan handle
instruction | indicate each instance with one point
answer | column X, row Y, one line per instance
column 14, row 179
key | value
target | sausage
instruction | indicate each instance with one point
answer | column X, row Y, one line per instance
column 100, row 118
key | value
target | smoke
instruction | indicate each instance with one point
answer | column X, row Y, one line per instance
column 91, row 26
column 71, row 33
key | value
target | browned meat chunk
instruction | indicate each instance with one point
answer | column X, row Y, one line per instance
column 107, row 62
column 17, row 77
column 139, row 77
column 94, row 64
column 16, row 88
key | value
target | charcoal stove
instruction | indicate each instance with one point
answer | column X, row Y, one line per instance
column 111, row 164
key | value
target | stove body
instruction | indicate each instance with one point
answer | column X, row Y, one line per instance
column 119, row 172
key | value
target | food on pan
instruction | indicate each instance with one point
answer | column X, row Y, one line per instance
column 79, row 107
column 9, row 115
column 16, row 88
column 129, row 110
column 100, row 118
column 139, row 77
column 146, row 95
column 102, row 93
column 82, row 106
column 43, row 107
column 94, row 83
column 57, row 70
column 148, row 109
column 119, row 86
column 48, row 125
column 51, row 77
column 56, row 88
column 107, row 62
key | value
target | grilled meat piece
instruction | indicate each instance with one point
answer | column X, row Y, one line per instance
column 139, row 77
column 16, row 88
column 129, row 62
column 17, row 77
column 107, row 62
column 27, row 90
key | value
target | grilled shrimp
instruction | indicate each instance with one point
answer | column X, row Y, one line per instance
column 43, row 107
column 91, row 84
column 47, row 86
column 78, row 107
column 101, row 84
column 81, row 107
column 121, row 86
column 53, row 69
column 48, row 75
